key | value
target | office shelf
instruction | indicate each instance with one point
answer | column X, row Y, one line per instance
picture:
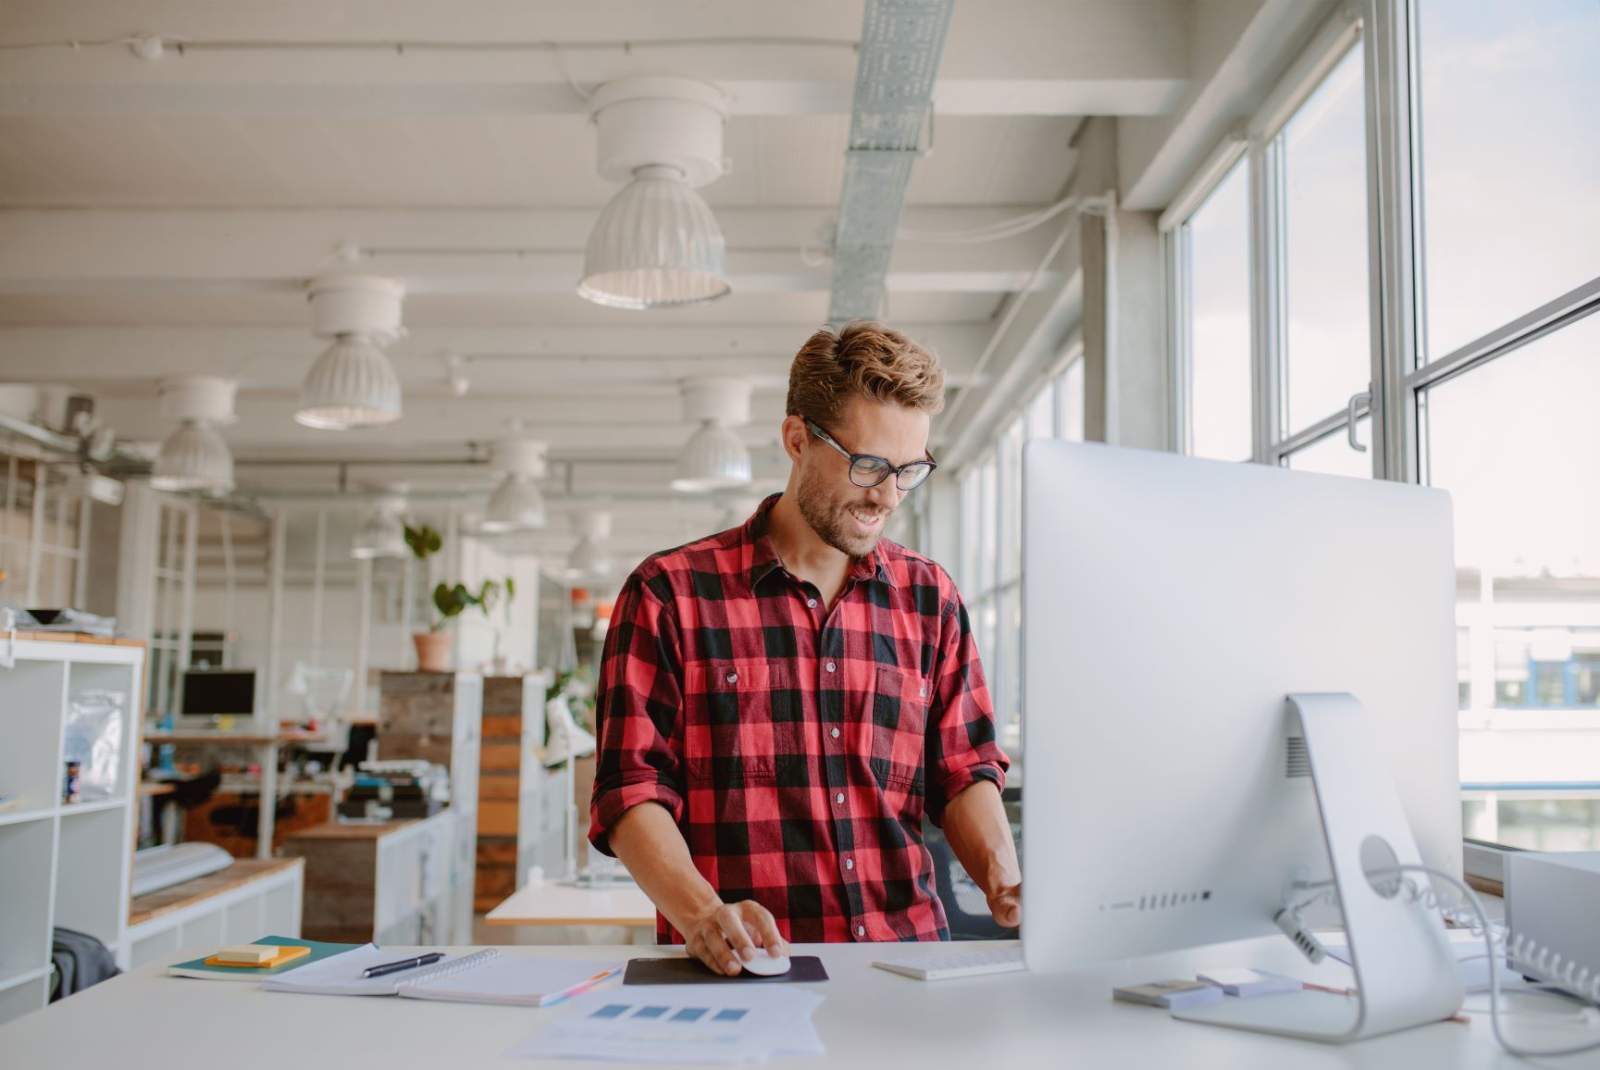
column 61, row 864
column 18, row 817
column 73, row 809
column 12, row 980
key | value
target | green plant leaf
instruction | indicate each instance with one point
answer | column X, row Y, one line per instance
column 423, row 541
column 450, row 601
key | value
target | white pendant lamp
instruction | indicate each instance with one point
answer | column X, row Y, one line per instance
column 714, row 458
column 382, row 533
column 590, row 558
column 194, row 458
column 657, row 244
column 516, row 504
column 352, row 385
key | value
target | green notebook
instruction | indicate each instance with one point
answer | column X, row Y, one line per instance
column 319, row 951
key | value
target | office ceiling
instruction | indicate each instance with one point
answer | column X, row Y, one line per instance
column 161, row 216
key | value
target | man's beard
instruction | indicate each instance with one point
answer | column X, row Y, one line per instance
column 830, row 518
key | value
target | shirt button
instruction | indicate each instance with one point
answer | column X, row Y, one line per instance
column 830, row 666
column 811, row 603
column 923, row 691
column 733, row 678
column 849, row 863
column 839, row 798
column 834, row 732
column 861, row 930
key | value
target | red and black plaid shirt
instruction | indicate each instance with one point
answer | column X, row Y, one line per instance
column 797, row 747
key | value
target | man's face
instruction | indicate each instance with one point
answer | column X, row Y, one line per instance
column 847, row 517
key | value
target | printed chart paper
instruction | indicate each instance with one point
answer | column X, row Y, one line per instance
column 680, row 1024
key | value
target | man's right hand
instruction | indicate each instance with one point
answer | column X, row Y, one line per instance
column 728, row 933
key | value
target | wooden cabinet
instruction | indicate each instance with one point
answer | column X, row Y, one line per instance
column 252, row 898
column 439, row 717
column 398, row 882
column 514, row 831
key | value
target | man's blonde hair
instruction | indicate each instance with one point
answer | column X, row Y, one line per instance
column 867, row 360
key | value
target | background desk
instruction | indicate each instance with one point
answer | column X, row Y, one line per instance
column 870, row 1019
column 550, row 903
column 265, row 747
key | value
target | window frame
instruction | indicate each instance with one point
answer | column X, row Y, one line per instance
column 1396, row 398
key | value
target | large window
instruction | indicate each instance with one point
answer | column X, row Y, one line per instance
column 990, row 573
column 1510, row 159
column 1213, row 248
column 1322, row 156
column 1489, row 350
column 1271, row 310
column 44, row 530
column 1507, row 387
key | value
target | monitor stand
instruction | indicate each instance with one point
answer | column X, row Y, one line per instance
column 1405, row 969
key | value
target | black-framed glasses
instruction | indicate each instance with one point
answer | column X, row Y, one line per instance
column 868, row 470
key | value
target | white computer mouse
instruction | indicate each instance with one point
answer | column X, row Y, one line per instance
column 764, row 965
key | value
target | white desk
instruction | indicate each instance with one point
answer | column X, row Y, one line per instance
column 547, row 902
column 871, row 1019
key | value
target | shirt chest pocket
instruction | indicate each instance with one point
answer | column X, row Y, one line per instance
column 743, row 722
column 898, row 724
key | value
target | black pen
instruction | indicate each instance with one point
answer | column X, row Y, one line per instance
column 403, row 964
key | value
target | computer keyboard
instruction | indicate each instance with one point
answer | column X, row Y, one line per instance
column 944, row 965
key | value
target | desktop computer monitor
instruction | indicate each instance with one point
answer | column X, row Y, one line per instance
column 1169, row 606
column 218, row 692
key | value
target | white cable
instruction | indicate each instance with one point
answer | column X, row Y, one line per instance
column 1582, row 982
column 1005, row 228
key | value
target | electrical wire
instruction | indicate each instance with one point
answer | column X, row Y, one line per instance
column 1582, row 982
column 1006, row 228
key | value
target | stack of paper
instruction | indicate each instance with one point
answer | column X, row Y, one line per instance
column 681, row 1024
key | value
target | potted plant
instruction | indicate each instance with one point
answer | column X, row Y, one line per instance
column 433, row 645
column 451, row 600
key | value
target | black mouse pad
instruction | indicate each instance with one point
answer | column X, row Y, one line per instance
column 687, row 971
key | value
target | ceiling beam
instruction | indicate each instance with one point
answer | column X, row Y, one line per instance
column 518, row 360
column 1006, row 57
column 84, row 251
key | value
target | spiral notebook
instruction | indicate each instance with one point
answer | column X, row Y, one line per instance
column 482, row 977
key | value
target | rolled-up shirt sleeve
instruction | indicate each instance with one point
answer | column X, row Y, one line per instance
column 961, row 744
column 637, row 703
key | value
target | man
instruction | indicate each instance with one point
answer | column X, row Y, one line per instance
column 780, row 704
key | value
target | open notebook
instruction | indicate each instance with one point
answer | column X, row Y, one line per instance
column 483, row 977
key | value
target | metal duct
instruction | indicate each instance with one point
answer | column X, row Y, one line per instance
column 902, row 42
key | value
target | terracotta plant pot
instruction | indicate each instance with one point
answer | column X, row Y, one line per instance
column 433, row 651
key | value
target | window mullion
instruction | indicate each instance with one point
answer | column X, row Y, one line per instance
column 1266, row 303
column 1394, row 245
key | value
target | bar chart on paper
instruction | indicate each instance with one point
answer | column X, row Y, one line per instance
column 672, row 1023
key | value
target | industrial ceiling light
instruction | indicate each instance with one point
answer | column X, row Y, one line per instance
column 657, row 244
column 194, row 458
column 714, row 458
column 382, row 533
column 516, row 504
column 590, row 558
column 352, row 384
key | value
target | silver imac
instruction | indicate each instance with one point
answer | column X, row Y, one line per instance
column 1171, row 606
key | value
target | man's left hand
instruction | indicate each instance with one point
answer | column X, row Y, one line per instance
column 1005, row 903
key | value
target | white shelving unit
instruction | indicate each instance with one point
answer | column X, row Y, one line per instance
column 64, row 864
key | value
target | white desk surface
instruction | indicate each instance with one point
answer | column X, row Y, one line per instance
column 552, row 903
column 873, row 1019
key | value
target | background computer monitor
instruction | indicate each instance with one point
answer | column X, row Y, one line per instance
column 1169, row 605
column 210, row 692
